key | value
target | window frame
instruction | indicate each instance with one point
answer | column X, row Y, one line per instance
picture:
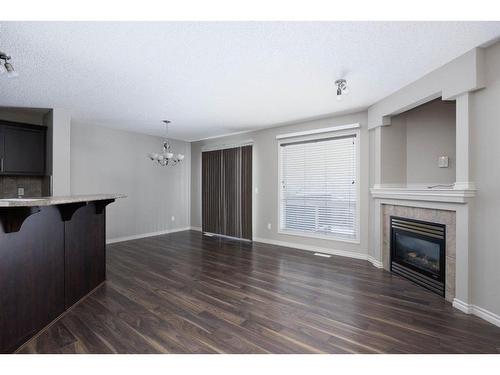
column 332, row 134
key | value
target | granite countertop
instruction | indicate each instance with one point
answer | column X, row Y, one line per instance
column 51, row 201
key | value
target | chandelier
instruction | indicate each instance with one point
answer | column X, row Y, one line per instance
column 166, row 157
column 6, row 66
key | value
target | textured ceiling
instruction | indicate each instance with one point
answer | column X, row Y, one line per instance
column 224, row 77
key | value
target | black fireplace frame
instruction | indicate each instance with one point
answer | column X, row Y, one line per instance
column 436, row 282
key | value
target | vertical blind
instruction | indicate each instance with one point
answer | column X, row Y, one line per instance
column 318, row 187
column 227, row 192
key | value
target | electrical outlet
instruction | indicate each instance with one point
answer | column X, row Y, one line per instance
column 443, row 162
column 173, row 218
column 20, row 191
column 269, row 226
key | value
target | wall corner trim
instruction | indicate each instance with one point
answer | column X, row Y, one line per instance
column 477, row 311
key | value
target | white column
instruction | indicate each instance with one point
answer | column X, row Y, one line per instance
column 463, row 182
column 377, row 176
column 376, row 215
column 378, row 224
column 462, row 243
column 463, row 124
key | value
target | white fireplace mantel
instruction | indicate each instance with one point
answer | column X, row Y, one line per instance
column 445, row 195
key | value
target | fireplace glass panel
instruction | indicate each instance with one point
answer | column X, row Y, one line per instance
column 420, row 253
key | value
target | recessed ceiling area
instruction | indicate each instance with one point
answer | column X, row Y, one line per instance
column 215, row 78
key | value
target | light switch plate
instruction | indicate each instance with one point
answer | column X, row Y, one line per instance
column 443, row 162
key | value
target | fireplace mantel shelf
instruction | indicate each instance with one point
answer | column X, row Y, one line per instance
column 446, row 195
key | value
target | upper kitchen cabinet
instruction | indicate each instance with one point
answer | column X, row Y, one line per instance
column 22, row 149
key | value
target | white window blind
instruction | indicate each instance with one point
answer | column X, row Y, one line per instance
column 318, row 187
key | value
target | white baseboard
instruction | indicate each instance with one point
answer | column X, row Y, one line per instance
column 478, row 311
column 144, row 235
column 198, row 229
column 462, row 306
column 377, row 263
column 315, row 249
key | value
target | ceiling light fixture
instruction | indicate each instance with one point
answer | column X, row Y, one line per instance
column 6, row 66
column 342, row 88
column 166, row 157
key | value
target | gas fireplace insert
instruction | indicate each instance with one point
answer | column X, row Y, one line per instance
column 418, row 252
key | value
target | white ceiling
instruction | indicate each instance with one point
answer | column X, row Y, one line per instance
column 216, row 78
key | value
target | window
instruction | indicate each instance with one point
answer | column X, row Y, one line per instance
column 318, row 187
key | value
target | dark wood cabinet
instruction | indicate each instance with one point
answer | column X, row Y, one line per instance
column 85, row 253
column 2, row 150
column 22, row 149
column 31, row 277
column 53, row 258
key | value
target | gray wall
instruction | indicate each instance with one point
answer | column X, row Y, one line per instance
column 393, row 152
column 112, row 161
column 413, row 142
column 430, row 133
column 59, row 133
column 485, row 167
column 266, row 180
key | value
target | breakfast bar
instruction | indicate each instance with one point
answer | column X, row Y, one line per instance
column 52, row 254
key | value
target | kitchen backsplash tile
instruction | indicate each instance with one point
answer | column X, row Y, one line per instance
column 33, row 186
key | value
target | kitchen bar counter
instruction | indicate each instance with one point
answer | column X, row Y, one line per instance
column 51, row 201
column 53, row 253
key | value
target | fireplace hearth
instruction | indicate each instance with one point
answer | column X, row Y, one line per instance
column 418, row 252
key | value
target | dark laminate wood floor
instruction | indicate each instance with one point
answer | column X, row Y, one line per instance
column 185, row 293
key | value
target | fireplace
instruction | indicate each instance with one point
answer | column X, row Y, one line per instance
column 418, row 252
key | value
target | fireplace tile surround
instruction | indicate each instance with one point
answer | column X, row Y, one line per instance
column 445, row 217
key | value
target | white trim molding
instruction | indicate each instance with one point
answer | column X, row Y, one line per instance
column 477, row 311
column 145, row 235
column 451, row 195
column 468, row 186
column 218, row 136
column 316, row 249
column 462, row 75
column 352, row 130
column 375, row 262
column 462, row 306
column 318, row 131
column 224, row 146
column 318, row 236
